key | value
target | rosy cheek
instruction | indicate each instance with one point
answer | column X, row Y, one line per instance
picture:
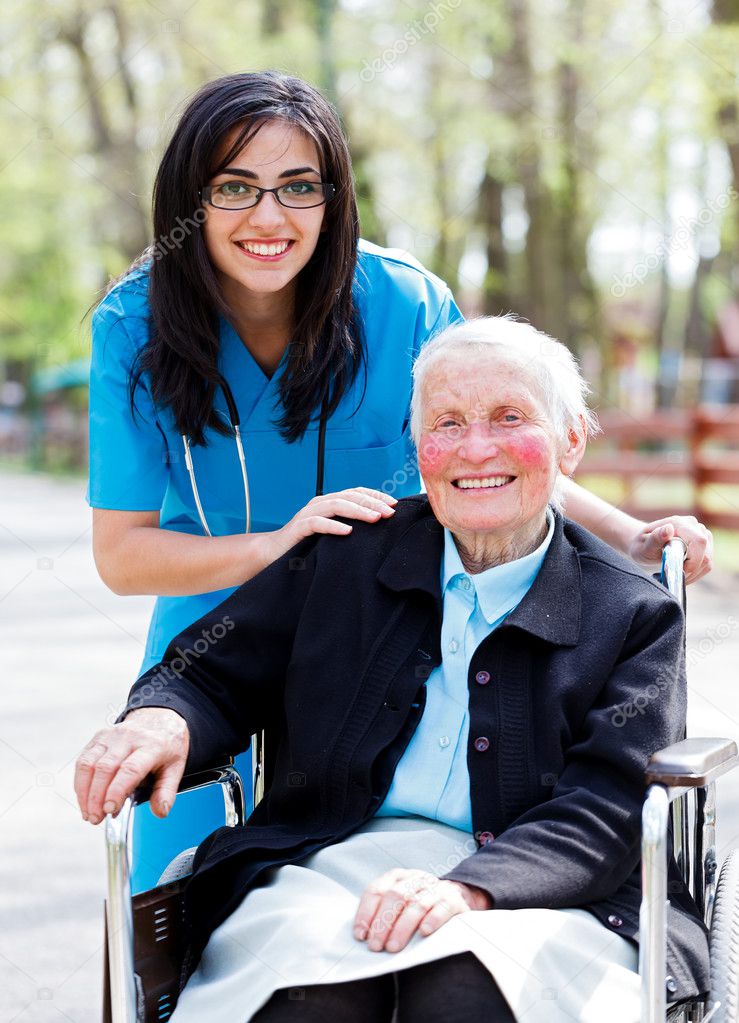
column 431, row 455
column 530, row 450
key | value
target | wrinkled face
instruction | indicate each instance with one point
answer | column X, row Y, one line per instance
column 264, row 248
column 488, row 452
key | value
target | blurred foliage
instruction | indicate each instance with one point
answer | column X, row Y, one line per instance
column 534, row 153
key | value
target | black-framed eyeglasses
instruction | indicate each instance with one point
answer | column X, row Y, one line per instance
column 297, row 195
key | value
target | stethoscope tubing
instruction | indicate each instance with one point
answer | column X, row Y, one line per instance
column 235, row 424
column 257, row 746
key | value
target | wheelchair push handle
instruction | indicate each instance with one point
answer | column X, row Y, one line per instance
column 672, row 574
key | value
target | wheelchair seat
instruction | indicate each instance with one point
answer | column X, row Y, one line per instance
column 180, row 867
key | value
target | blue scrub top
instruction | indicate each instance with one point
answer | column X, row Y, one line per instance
column 137, row 463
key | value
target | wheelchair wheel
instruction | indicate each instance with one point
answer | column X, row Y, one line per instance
column 724, row 942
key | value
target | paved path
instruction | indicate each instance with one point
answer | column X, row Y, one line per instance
column 68, row 654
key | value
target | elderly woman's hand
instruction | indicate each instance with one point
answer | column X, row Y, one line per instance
column 402, row 902
column 151, row 740
column 646, row 546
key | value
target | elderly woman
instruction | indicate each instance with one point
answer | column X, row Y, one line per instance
column 452, row 824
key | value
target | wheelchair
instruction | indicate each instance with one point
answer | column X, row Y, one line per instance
column 143, row 931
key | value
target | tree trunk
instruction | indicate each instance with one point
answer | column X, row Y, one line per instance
column 726, row 12
column 664, row 388
column 273, row 21
column 325, row 11
column 697, row 335
column 495, row 296
column 118, row 154
column 574, row 310
column 533, row 302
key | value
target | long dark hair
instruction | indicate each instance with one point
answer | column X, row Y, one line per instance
column 185, row 298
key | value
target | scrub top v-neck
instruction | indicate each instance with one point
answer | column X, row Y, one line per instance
column 137, row 462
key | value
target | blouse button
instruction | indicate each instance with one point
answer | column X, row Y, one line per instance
column 486, row 838
column 482, row 744
column 615, row 921
column 482, row 678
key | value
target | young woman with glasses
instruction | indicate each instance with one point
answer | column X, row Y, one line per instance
column 251, row 373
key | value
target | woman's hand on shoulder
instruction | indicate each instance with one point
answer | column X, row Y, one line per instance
column 402, row 902
column 319, row 516
column 151, row 740
column 646, row 546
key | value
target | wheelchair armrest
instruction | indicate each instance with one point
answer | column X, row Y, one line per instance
column 224, row 774
column 207, row 775
column 671, row 774
column 692, row 763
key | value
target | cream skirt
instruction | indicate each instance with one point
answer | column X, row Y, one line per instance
column 553, row 966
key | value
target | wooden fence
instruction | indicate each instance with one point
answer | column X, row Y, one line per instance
column 698, row 446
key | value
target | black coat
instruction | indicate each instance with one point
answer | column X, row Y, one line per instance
column 330, row 648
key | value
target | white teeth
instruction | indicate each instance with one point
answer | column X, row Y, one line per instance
column 259, row 249
column 486, row 481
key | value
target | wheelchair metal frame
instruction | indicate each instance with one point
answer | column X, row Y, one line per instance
column 681, row 786
column 126, row 1001
column 690, row 767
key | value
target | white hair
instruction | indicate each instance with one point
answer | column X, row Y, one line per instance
column 550, row 366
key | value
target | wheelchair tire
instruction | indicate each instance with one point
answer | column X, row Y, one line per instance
column 724, row 942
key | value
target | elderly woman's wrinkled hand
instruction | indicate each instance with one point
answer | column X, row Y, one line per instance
column 646, row 547
column 151, row 740
column 402, row 902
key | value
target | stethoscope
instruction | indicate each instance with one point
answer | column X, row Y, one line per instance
column 235, row 423
column 257, row 746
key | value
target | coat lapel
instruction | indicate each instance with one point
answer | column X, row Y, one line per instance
column 550, row 610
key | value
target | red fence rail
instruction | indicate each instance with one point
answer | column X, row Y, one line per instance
column 699, row 446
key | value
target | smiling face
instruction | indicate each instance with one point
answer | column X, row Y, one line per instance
column 261, row 250
column 488, row 451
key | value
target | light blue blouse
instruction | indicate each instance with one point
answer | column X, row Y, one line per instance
column 137, row 463
column 432, row 779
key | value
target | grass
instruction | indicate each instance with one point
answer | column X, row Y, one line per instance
column 59, row 470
